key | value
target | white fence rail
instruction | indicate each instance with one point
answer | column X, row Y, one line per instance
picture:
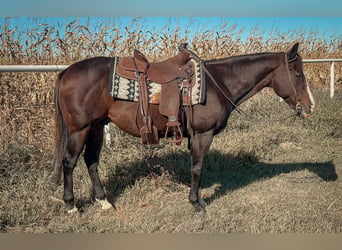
column 32, row 68
column 332, row 71
column 56, row 68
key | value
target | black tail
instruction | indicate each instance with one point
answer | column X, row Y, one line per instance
column 61, row 136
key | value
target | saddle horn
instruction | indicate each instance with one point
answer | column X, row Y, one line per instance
column 183, row 47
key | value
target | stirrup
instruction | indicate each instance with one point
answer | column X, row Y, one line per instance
column 178, row 135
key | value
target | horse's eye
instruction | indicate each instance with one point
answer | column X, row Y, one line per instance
column 299, row 75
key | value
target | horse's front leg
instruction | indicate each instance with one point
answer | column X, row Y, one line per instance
column 200, row 144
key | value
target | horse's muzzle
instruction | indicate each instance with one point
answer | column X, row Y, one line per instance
column 304, row 112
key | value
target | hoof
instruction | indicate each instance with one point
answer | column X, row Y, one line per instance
column 105, row 204
column 198, row 208
column 74, row 210
column 199, row 204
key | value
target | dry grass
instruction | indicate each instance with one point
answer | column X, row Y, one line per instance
column 257, row 178
column 263, row 174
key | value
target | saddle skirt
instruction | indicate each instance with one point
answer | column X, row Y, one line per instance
column 128, row 89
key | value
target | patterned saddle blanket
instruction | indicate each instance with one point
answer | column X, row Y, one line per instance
column 128, row 90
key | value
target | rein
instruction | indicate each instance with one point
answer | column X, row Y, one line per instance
column 221, row 90
column 200, row 61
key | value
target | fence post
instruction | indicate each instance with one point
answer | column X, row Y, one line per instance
column 332, row 79
column 107, row 135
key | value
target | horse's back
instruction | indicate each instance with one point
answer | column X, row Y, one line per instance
column 90, row 67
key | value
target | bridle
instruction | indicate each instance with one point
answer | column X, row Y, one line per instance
column 298, row 106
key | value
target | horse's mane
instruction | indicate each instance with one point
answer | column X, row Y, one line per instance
column 241, row 57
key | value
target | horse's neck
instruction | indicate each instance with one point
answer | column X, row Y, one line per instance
column 246, row 75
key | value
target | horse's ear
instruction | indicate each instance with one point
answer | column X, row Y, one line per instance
column 183, row 46
column 293, row 52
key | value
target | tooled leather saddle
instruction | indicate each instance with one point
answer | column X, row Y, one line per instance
column 171, row 73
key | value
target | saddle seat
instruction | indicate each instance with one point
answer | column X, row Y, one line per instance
column 168, row 73
column 160, row 72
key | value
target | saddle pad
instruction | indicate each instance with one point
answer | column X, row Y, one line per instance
column 128, row 90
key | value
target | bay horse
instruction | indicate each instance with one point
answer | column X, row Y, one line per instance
column 83, row 107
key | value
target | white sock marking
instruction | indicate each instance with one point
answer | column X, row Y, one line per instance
column 73, row 210
column 105, row 204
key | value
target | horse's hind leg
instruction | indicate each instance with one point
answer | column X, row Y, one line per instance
column 75, row 145
column 92, row 157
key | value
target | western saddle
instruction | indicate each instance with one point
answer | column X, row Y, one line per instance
column 173, row 74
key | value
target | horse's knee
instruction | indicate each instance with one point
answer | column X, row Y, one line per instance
column 91, row 162
column 69, row 163
column 67, row 160
column 196, row 171
column 93, row 169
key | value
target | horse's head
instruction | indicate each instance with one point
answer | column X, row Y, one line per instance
column 289, row 82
